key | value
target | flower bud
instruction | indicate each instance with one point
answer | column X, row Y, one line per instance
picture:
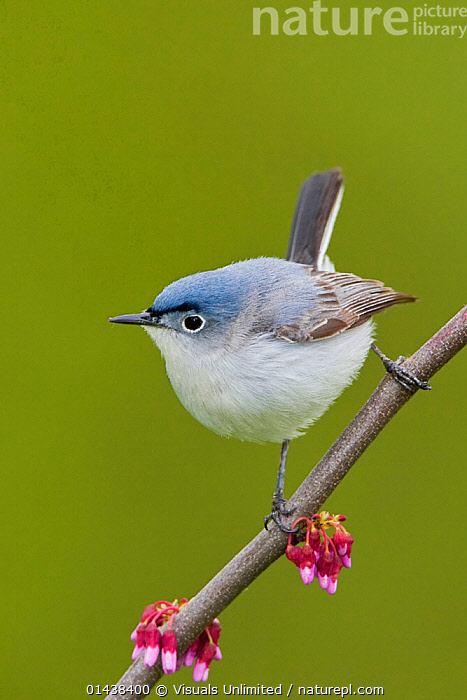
column 152, row 639
column 294, row 553
column 201, row 669
column 191, row 653
column 324, row 567
column 334, row 574
column 340, row 542
column 214, row 630
column 314, row 539
column 140, row 634
column 307, row 564
column 169, row 651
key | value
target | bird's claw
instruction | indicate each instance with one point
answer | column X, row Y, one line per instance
column 405, row 377
column 279, row 508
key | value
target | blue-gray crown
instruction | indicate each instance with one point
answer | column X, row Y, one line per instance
column 221, row 293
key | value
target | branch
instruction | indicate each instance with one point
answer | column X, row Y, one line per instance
column 266, row 547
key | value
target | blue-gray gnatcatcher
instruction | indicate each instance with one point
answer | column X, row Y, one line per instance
column 258, row 350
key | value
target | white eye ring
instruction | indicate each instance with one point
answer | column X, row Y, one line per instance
column 190, row 322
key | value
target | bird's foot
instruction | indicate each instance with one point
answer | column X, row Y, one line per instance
column 279, row 509
column 406, row 378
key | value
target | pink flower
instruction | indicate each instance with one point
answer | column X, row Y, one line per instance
column 321, row 555
column 149, row 611
column 294, row 553
column 169, row 651
column 214, row 630
column 190, row 654
column 152, row 640
column 314, row 539
column 147, row 635
column 324, row 567
column 180, row 661
column 334, row 574
column 201, row 669
column 340, row 542
column 307, row 566
column 346, row 558
column 140, row 634
column 204, row 650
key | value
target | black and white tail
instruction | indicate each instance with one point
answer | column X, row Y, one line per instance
column 315, row 213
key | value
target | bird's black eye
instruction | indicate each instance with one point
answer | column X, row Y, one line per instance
column 193, row 323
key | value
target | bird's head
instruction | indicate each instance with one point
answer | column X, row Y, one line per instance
column 221, row 307
column 201, row 308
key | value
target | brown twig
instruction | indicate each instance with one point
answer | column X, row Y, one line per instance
column 266, row 547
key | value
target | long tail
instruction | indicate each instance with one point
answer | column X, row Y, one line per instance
column 315, row 213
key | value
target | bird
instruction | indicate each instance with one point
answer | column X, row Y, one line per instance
column 259, row 349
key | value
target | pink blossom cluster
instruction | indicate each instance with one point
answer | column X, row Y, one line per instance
column 321, row 556
column 148, row 636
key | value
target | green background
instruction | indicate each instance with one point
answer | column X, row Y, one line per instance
column 144, row 141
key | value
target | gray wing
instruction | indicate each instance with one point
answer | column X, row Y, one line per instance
column 315, row 213
column 343, row 301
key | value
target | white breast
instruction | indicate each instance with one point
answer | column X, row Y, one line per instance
column 268, row 389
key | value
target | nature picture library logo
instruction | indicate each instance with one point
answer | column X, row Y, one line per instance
column 422, row 20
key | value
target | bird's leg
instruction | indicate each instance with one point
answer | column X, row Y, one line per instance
column 278, row 501
column 406, row 378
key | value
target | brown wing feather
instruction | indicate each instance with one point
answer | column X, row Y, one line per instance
column 344, row 301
